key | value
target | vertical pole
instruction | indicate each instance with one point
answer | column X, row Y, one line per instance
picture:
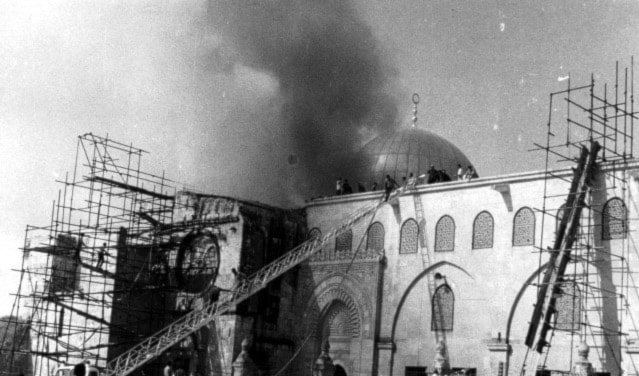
column 632, row 103
column 605, row 121
column 625, row 110
column 592, row 104
column 616, row 102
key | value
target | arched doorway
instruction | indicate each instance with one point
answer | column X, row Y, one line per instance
column 337, row 328
column 339, row 371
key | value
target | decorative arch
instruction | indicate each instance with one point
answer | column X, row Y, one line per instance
column 315, row 233
column 483, row 230
column 524, row 227
column 412, row 285
column 325, row 301
column 408, row 236
column 375, row 237
column 341, row 288
column 614, row 219
column 338, row 321
column 445, row 234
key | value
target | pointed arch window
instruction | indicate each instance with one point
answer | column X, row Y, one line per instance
column 443, row 306
column 445, row 234
column 375, row 238
column 483, row 231
column 524, row 227
column 343, row 245
column 408, row 237
column 315, row 233
column 568, row 306
column 615, row 219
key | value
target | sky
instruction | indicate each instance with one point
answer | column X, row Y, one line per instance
column 220, row 111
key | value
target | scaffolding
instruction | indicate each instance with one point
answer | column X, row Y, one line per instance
column 96, row 280
column 597, row 285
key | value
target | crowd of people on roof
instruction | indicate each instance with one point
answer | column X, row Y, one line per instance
column 433, row 175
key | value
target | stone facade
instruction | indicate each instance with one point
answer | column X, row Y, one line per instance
column 398, row 288
column 489, row 262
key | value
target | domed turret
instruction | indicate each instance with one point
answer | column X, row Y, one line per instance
column 407, row 150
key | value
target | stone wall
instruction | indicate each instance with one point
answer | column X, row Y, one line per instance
column 493, row 287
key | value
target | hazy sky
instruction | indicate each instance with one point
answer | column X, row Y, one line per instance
column 164, row 76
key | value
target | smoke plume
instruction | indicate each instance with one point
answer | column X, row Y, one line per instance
column 334, row 83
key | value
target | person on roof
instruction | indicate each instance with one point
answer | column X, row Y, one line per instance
column 389, row 185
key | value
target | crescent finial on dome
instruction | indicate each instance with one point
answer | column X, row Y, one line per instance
column 415, row 103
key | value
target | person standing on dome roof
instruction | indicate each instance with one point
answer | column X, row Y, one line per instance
column 460, row 172
column 432, row 175
column 338, row 186
column 346, row 188
column 470, row 173
column 389, row 185
column 412, row 181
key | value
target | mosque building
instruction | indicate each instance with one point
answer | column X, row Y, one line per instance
column 453, row 263
column 443, row 277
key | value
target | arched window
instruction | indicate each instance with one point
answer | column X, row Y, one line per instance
column 568, row 306
column 408, row 237
column 343, row 244
column 375, row 238
column 524, row 227
column 443, row 306
column 483, row 231
column 315, row 233
column 614, row 219
column 445, row 234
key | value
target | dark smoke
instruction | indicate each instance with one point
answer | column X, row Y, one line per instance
column 332, row 74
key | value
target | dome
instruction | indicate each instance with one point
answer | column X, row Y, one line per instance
column 405, row 150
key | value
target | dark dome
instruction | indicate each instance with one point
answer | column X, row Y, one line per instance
column 407, row 150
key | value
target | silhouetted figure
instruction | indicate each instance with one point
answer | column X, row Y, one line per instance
column 347, row 189
column 101, row 256
column 444, row 176
column 432, row 175
column 389, row 185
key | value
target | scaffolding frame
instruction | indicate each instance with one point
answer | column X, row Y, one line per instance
column 71, row 276
column 578, row 116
